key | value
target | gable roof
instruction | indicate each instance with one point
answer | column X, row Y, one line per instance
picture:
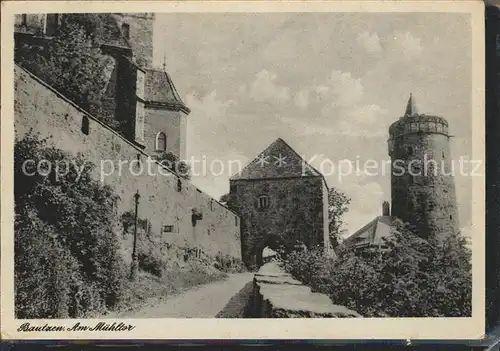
column 267, row 164
column 160, row 89
column 371, row 234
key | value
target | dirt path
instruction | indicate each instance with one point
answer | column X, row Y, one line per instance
column 204, row 301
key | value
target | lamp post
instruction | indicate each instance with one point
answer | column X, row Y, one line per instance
column 135, row 266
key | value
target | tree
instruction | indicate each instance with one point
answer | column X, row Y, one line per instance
column 67, row 261
column 72, row 65
column 338, row 205
column 224, row 199
column 413, row 277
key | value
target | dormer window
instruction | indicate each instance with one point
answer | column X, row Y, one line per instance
column 263, row 202
column 126, row 30
column 161, row 142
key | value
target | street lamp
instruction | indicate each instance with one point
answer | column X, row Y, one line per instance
column 135, row 266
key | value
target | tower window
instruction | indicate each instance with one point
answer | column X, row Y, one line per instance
column 442, row 155
column 126, row 30
column 51, row 24
column 161, row 142
column 411, row 179
column 263, row 202
column 235, row 221
column 451, row 217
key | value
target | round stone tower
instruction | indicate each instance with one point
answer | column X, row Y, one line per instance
column 422, row 181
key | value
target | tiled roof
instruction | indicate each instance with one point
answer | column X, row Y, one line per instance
column 160, row 89
column 267, row 164
column 371, row 234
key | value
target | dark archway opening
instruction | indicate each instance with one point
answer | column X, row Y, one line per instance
column 270, row 247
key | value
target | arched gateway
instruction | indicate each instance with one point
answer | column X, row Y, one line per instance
column 281, row 200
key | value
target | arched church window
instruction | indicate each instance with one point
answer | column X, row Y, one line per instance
column 263, row 202
column 161, row 142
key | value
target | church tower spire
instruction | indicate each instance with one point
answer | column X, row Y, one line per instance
column 411, row 107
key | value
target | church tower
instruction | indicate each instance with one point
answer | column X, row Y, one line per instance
column 422, row 181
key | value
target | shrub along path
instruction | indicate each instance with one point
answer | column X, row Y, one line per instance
column 204, row 301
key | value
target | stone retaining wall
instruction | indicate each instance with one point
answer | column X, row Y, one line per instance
column 277, row 295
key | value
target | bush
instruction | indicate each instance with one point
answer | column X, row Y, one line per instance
column 413, row 278
column 66, row 253
column 229, row 264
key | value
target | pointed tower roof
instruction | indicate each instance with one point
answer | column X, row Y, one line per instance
column 411, row 107
column 160, row 89
column 278, row 160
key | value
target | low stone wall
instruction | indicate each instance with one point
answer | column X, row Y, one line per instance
column 277, row 295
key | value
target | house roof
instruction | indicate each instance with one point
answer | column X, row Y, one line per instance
column 267, row 164
column 160, row 89
column 371, row 234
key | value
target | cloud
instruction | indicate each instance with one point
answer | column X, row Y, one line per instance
column 265, row 89
column 302, row 98
column 367, row 120
column 370, row 42
column 405, row 44
column 345, row 90
column 208, row 114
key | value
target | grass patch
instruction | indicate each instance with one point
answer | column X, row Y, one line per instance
column 172, row 282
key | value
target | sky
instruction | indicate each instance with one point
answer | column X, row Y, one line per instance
column 329, row 84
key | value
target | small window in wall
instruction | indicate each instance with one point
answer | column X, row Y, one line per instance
column 235, row 221
column 161, row 142
column 211, row 205
column 263, row 202
column 451, row 217
column 168, row 228
column 179, row 184
column 138, row 163
column 85, row 125
column 443, row 155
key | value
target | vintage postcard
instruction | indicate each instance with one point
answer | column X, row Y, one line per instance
column 249, row 170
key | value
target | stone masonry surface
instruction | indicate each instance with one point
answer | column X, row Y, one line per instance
column 278, row 295
column 166, row 200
